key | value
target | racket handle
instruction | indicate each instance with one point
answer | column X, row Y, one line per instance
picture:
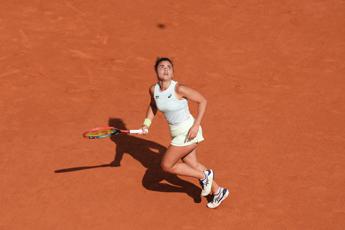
column 136, row 131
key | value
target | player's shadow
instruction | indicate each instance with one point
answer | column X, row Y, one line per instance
column 149, row 154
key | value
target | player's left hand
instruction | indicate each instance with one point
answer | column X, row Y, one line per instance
column 193, row 131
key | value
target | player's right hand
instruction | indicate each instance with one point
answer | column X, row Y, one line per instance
column 145, row 130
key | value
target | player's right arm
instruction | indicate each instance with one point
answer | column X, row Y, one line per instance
column 151, row 110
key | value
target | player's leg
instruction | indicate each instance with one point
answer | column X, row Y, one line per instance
column 173, row 155
column 191, row 160
column 170, row 164
column 219, row 193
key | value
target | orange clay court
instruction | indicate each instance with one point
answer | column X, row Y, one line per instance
column 272, row 72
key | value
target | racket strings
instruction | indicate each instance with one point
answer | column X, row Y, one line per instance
column 100, row 133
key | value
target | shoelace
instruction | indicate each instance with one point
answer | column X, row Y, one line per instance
column 218, row 197
column 204, row 183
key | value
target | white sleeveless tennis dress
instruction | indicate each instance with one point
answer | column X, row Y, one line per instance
column 176, row 112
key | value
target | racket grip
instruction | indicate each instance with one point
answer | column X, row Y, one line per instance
column 136, row 131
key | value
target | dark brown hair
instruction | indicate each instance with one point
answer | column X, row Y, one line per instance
column 160, row 59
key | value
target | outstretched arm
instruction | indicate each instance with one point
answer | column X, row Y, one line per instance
column 151, row 111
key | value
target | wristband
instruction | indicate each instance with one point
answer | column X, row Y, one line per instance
column 147, row 122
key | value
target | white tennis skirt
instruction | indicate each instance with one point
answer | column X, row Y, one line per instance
column 179, row 133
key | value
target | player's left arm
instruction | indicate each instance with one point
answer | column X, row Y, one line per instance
column 197, row 97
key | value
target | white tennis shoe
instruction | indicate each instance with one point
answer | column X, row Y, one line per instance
column 218, row 198
column 206, row 183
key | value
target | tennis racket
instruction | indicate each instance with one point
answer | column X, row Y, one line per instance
column 103, row 132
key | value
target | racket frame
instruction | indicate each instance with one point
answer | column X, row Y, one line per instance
column 114, row 131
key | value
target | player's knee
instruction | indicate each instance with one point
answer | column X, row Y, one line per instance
column 166, row 166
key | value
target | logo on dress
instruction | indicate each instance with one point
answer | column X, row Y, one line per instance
column 170, row 96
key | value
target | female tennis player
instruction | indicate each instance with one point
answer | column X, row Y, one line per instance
column 171, row 98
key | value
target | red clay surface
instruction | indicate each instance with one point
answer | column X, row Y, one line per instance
column 272, row 71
